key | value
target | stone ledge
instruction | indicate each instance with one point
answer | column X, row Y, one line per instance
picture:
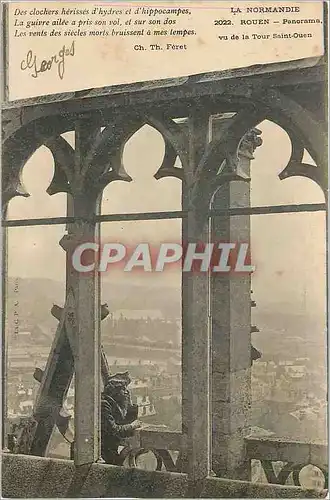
column 245, row 489
column 26, row 476
column 277, row 449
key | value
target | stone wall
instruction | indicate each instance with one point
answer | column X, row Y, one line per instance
column 35, row 477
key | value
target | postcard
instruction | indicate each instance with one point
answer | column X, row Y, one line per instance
column 164, row 181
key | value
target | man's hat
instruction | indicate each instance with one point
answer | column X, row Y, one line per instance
column 117, row 381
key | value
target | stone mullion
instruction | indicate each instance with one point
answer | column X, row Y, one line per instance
column 231, row 329
column 196, row 332
column 84, row 334
column 83, row 311
column 186, row 182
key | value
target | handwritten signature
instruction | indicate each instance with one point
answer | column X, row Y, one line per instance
column 31, row 62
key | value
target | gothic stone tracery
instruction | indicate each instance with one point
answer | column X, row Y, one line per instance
column 102, row 125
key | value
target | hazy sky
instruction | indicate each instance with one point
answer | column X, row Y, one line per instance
column 288, row 250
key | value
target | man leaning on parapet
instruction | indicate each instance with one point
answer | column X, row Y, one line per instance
column 118, row 417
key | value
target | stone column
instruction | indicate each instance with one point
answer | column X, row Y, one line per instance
column 83, row 306
column 231, row 326
column 195, row 341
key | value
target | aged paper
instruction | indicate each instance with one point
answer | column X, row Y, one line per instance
column 155, row 41
column 164, row 177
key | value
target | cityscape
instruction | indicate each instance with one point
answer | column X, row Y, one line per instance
column 289, row 391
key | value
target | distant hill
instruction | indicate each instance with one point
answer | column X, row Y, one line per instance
column 282, row 329
column 289, row 333
column 36, row 297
